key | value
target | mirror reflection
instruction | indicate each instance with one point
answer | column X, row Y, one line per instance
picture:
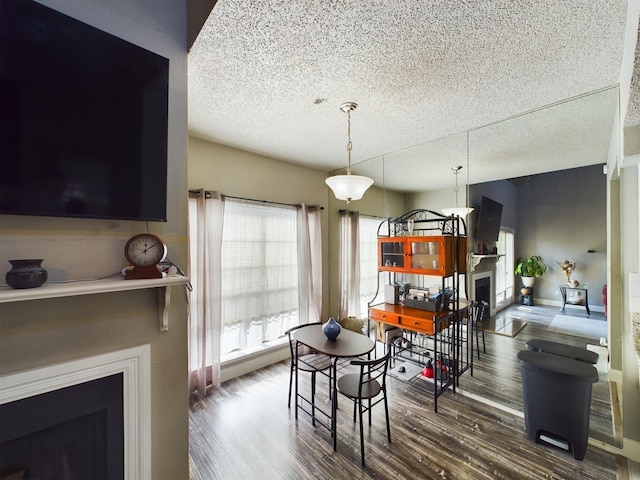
column 545, row 168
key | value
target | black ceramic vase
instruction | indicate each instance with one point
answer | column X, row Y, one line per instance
column 26, row 274
column 331, row 329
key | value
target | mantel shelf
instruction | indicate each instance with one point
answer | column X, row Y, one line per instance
column 90, row 287
column 475, row 259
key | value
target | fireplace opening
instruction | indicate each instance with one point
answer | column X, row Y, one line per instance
column 483, row 290
column 76, row 432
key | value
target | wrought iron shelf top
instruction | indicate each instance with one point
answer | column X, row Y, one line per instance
column 422, row 220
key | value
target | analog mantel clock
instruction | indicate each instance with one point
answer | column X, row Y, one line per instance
column 144, row 252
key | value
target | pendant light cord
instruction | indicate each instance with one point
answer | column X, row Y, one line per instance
column 349, row 145
column 456, row 170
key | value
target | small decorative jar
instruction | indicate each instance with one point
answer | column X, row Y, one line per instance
column 331, row 329
column 576, row 299
column 26, row 274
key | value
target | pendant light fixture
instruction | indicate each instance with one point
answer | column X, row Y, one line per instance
column 459, row 211
column 349, row 187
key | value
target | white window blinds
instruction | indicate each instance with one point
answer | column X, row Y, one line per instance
column 259, row 273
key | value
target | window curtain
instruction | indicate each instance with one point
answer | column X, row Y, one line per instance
column 309, row 264
column 206, row 211
column 368, row 252
column 349, row 282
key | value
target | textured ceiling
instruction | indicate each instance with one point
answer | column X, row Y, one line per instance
column 268, row 76
column 632, row 118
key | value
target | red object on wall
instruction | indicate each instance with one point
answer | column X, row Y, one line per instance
column 604, row 300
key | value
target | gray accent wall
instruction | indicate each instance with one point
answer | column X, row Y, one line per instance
column 562, row 215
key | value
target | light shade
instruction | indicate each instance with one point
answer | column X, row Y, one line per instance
column 459, row 211
column 349, row 187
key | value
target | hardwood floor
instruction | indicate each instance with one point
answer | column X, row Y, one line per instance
column 496, row 375
column 244, row 430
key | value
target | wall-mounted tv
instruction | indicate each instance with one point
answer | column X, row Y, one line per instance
column 83, row 119
column 489, row 219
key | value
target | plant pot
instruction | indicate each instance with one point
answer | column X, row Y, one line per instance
column 528, row 281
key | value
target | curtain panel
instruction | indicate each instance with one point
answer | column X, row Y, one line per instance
column 205, row 316
column 349, row 280
column 309, row 264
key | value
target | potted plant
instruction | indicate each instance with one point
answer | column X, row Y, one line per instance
column 529, row 268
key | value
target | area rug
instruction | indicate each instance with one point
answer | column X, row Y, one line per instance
column 410, row 370
column 507, row 326
column 578, row 326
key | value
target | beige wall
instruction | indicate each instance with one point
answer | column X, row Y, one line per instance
column 243, row 174
column 630, row 358
column 41, row 332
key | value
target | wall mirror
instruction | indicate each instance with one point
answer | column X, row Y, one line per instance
column 570, row 135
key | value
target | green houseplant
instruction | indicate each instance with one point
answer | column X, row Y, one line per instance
column 529, row 268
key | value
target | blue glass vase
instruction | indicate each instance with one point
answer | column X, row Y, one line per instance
column 331, row 329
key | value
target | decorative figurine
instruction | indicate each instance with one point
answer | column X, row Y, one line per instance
column 568, row 268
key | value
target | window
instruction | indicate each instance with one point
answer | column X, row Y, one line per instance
column 504, row 270
column 368, row 245
column 256, row 271
column 259, row 274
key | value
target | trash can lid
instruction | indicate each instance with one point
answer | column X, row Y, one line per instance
column 550, row 363
column 562, row 349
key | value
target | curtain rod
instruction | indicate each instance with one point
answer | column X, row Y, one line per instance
column 208, row 195
column 342, row 211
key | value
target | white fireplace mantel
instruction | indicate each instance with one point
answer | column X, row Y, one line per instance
column 107, row 285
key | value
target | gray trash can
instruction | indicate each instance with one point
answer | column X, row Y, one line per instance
column 556, row 395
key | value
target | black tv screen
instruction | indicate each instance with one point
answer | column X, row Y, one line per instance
column 83, row 119
column 489, row 220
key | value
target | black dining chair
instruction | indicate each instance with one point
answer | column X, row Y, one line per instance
column 367, row 388
column 479, row 312
column 309, row 362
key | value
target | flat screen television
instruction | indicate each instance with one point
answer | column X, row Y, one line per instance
column 83, row 119
column 489, row 219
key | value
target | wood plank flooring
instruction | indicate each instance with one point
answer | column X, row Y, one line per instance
column 244, row 430
column 497, row 378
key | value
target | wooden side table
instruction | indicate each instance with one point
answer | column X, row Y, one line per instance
column 568, row 293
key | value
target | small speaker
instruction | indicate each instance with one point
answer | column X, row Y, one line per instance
column 392, row 294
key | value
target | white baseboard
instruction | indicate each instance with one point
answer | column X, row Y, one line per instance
column 568, row 307
column 253, row 362
column 615, row 376
column 631, row 449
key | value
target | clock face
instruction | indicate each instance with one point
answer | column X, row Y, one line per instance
column 145, row 250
